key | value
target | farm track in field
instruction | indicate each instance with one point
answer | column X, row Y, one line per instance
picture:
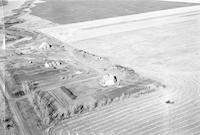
column 148, row 114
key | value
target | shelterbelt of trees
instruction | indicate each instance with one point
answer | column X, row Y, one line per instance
column 3, row 2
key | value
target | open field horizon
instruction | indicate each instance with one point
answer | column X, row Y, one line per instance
column 87, row 10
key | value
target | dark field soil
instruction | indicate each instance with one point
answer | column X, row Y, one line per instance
column 68, row 11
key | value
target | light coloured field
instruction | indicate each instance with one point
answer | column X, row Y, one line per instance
column 169, row 53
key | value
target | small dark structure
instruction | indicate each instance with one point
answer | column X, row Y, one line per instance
column 169, row 102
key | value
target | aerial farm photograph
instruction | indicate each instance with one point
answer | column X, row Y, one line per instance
column 99, row 67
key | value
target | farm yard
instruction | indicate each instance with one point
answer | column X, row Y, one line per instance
column 47, row 81
column 143, row 115
column 50, row 91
